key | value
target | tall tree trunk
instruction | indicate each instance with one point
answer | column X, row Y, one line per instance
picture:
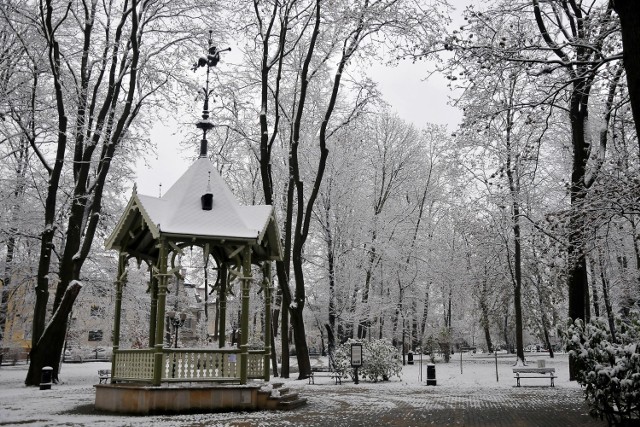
column 109, row 130
column 582, row 77
column 331, row 266
column 284, row 319
column 48, row 350
column 6, row 285
column 542, row 306
column 484, row 313
column 605, row 294
column 487, row 336
column 364, row 321
column 512, row 171
column 517, row 294
column 505, row 331
column 594, row 288
column 629, row 13
column 397, row 314
column 582, row 74
column 449, row 302
column 415, row 339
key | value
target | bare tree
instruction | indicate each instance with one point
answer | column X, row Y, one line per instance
column 304, row 45
column 100, row 86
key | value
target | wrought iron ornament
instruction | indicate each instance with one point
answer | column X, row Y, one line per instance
column 210, row 60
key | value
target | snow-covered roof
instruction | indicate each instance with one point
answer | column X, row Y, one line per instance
column 179, row 210
column 179, row 213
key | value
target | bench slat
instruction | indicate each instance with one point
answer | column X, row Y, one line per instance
column 541, row 375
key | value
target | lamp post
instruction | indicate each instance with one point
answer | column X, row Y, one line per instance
column 177, row 321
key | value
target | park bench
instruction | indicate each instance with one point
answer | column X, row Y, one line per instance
column 525, row 372
column 104, row 375
column 327, row 371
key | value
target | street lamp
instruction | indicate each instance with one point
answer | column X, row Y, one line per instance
column 177, row 321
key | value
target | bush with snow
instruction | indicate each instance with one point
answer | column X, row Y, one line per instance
column 607, row 369
column 381, row 360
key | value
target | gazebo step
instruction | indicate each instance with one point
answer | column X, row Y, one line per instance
column 267, row 400
column 287, row 397
column 292, row 404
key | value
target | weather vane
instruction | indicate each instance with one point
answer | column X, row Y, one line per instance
column 210, row 60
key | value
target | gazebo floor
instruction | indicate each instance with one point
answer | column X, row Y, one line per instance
column 131, row 398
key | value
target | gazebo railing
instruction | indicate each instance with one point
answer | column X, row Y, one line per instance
column 133, row 365
column 187, row 365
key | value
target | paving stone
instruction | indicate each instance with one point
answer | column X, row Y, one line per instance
column 350, row 407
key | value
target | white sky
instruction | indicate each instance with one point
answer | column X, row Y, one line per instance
column 413, row 99
column 404, row 87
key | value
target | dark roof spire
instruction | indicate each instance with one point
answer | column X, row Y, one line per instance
column 210, row 60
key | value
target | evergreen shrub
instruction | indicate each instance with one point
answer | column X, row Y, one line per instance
column 608, row 369
column 381, row 360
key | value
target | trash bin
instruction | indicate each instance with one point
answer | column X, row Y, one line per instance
column 45, row 378
column 410, row 358
column 431, row 374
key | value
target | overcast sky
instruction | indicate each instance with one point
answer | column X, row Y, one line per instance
column 404, row 87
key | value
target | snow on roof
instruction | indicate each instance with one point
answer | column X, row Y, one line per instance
column 179, row 210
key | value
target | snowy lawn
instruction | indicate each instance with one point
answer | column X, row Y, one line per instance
column 71, row 401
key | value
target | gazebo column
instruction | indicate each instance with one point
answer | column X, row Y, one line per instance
column 120, row 281
column 153, row 290
column 244, row 320
column 222, row 304
column 266, row 284
column 162, row 280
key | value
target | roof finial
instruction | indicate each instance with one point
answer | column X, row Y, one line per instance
column 160, row 190
column 211, row 60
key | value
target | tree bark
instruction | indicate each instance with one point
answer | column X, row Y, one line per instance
column 605, row 295
column 582, row 76
column 629, row 13
column 484, row 313
column 48, row 350
column 594, row 288
column 512, row 171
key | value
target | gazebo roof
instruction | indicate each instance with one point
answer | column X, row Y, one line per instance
column 178, row 216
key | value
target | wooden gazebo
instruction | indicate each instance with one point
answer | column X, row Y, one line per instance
column 198, row 210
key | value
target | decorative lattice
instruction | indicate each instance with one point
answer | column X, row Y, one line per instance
column 255, row 368
column 133, row 365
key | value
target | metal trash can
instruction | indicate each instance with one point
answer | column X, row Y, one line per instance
column 410, row 358
column 431, row 374
column 45, row 378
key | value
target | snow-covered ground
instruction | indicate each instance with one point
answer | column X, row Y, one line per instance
column 71, row 401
